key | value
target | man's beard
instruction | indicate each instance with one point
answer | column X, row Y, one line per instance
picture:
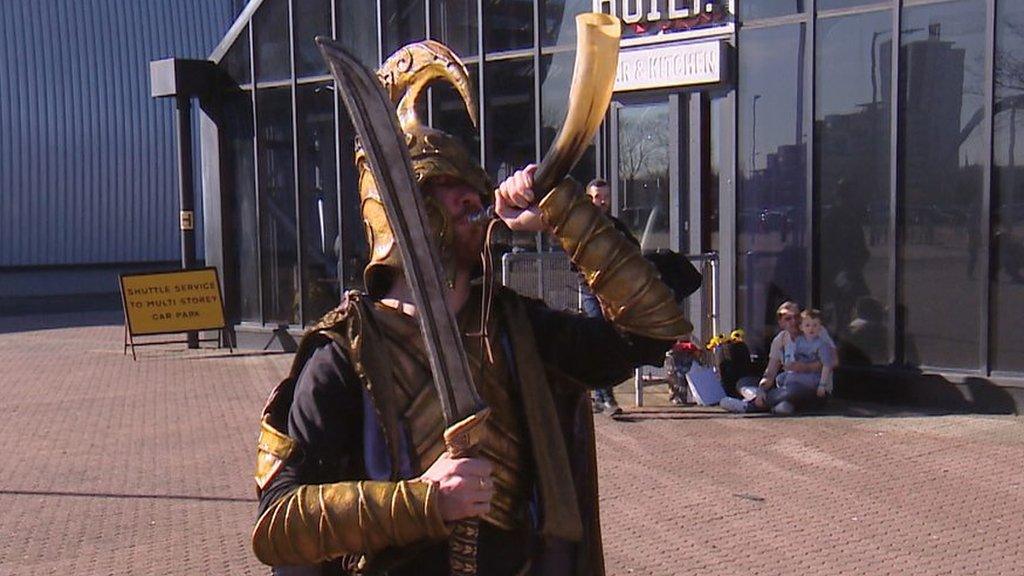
column 467, row 246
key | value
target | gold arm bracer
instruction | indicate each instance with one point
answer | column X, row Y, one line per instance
column 316, row 523
column 629, row 287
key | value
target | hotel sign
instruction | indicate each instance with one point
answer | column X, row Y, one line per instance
column 673, row 65
column 665, row 20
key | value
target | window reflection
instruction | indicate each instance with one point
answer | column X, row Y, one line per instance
column 560, row 21
column 508, row 24
column 852, row 177
column 454, row 24
column 278, row 242
column 643, row 156
column 1008, row 191
column 236, row 60
column 509, row 109
column 839, row 4
column 451, row 116
column 318, row 199
column 771, row 199
column 555, row 82
column 404, row 21
column 942, row 62
column 719, row 158
column 357, row 30
column 753, row 9
column 354, row 249
column 312, row 19
column 271, row 44
column 241, row 232
column 510, row 121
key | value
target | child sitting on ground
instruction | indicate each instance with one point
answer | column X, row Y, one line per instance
column 809, row 346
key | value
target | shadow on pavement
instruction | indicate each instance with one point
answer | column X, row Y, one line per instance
column 837, row 407
column 122, row 496
column 53, row 320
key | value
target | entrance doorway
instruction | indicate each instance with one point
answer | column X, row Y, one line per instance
column 648, row 162
column 663, row 169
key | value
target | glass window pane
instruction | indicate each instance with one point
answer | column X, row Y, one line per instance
column 719, row 160
column 278, row 240
column 241, row 232
column 450, row 113
column 318, row 199
column 771, row 198
column 510, row 121
column 941, row 105
column 236, row 60
column 270, row 43
column 508, row 24
column 555, row 82
column 312, row 19
column 404, row 22
column 754, row 9
column 357, row 30
column 643, row 146
column 560, row 21
column 852, row 170
column 839, row 4
column 354, row 250
column 1008, row 200
column 454, row 24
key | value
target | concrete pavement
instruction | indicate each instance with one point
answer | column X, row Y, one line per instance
column 115, row 467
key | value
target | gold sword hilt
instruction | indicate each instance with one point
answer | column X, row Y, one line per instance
column 463, row 440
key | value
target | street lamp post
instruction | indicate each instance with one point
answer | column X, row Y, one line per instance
column 753, row 135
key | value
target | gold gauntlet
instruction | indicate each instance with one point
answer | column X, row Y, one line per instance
column 629, row 287
column 317, row 523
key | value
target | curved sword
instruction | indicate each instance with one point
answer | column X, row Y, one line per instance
column 376, row 123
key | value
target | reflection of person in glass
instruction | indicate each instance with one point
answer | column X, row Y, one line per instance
column 601, row 195
column 867, row 334
column 843, row 273
column 352, row 470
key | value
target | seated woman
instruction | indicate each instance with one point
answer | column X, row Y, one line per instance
column 784, row 393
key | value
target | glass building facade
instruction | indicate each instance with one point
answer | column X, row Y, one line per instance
column 857, row 156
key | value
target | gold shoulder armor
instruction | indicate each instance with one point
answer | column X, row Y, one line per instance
column 272, row 450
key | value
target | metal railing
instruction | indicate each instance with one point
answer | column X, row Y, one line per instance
column 550, row 277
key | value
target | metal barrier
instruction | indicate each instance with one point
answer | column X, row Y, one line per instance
column 545, row 275
column 702, row 308
column 550, row 277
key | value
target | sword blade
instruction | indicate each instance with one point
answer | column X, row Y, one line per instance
column 376, row 123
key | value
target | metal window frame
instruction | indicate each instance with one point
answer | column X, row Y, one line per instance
column 256, row 170
column 985, row 352
column 896, row 352
column 811, row 221
column 297, row 193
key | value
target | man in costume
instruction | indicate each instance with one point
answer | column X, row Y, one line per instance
column 352, row 468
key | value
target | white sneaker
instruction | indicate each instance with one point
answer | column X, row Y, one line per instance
column 734, row 405
column 749, row 392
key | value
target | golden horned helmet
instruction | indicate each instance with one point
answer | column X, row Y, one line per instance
column 435, row 154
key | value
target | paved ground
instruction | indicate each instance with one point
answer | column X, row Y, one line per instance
column 111, row 467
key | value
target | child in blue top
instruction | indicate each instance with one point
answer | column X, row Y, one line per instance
column 809, row 346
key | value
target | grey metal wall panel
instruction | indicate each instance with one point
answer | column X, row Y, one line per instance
column 87, row 169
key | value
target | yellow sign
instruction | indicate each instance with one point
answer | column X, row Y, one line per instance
column 169, row 302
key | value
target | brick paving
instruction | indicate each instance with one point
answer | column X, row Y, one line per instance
column 114, row 467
